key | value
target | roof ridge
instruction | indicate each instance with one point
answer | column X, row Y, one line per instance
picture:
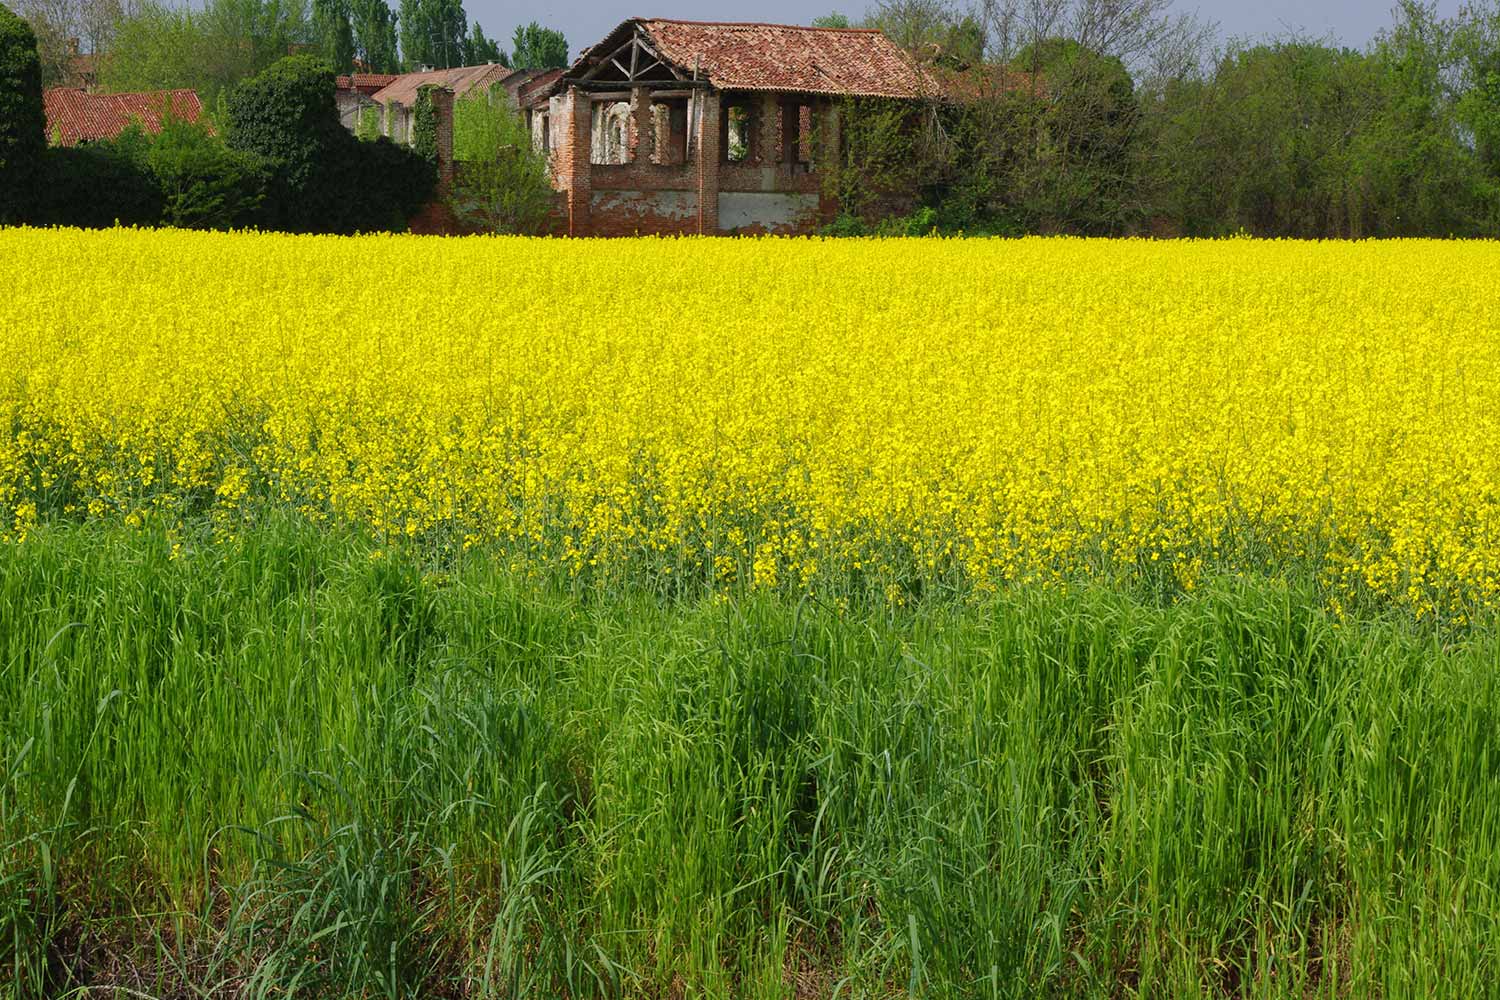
column 754, row 24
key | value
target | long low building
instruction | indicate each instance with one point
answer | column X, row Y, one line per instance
column 392, row 98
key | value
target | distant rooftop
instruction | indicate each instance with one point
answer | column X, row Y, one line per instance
column 74, row 116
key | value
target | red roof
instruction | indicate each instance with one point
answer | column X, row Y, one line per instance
column 856, row 62
column 459, row 79
column 366, row 83
column 536, row 86
column 74, row 117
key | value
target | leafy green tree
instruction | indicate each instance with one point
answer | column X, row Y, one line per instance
column 22, row 118
column 333, row 28
column 831, row 20
column 203, row 183
column 162, row 46
column 479, row 50
column 374, row 27
column 536, row 47
column 323, row 178
column 433, row 33
column 500, row 183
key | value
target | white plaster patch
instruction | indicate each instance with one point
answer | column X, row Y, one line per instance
column 677, row 205
column 772, row 211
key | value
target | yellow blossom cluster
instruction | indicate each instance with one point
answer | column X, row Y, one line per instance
column 903, row 415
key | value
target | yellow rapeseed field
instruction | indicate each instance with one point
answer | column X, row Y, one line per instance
column 905, row 416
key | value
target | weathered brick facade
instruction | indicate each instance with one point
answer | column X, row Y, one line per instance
column 686, row 128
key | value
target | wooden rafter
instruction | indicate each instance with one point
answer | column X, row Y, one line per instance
column 643, row 59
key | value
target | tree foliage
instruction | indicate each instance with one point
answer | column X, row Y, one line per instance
column 22, row 119
column 162, row 46
column 433, row 33
column 536, row 47
column 323, row 178
column 333, row 30
column 500, row 183
column 479, row 49
column 1108, row 117
column 66, row 27
column 374, row 27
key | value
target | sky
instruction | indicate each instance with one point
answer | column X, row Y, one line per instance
column 584, row 22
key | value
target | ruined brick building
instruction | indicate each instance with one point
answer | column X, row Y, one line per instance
column 681, row 127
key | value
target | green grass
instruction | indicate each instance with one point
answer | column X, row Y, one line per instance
column 305, row 766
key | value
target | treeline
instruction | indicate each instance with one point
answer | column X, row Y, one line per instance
column 161, row 44
column 1119, row 118
column 278, row 159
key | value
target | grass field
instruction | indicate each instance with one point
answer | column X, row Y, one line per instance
column 412, row 618
column 288, row 767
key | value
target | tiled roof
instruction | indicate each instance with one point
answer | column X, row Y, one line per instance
column 460, row 80
column 537, row 86
column 366, row 83
column 74, row 117
column 743, row 56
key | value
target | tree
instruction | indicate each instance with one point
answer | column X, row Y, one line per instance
column 536, row 47
column 479, row 50
column 22, row 118
column 333, row 28
column 65, row 27
column 831, row 20
column 432, row 33
column 1476, row 51
column 501, row 185
column 374, row 26
column 323, row 178
column 210, row 50
column 919, row 26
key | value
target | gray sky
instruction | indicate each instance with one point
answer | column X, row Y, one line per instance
column 1352, row 22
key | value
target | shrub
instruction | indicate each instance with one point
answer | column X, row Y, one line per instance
column 22, row 119
column 77, row 176
column 322, row 179
column 500, row 181
column 204, row 184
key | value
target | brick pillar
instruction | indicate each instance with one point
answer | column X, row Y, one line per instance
column 828, row 162
column 707, row 142
column 442, row 113
column 574, row 123
column 642, row 127
column 765, row 138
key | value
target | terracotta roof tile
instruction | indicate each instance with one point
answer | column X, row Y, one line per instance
column 855, row 62
column 537, row 86
column 366, row 83
column 460, row 79
column 74, row 116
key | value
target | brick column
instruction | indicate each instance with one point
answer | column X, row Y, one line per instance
column 707, row 141
column 574, row 123
column 642, row 127
column 442, row 113
column 829, row 139
column 765, row 138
